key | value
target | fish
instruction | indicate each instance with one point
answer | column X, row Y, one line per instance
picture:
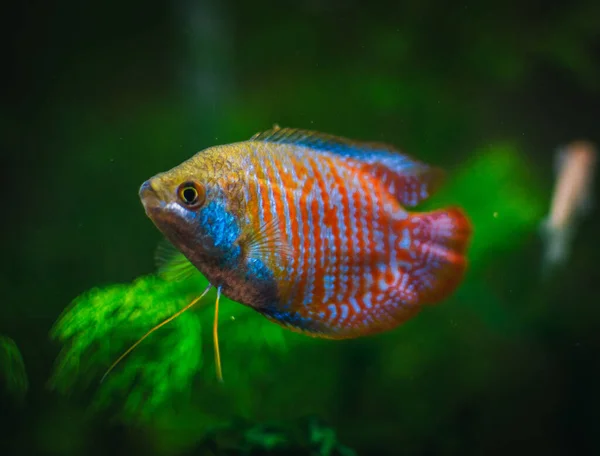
column 313, row 231
column 575, row 167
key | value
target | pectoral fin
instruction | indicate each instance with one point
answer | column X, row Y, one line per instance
column 172, row 265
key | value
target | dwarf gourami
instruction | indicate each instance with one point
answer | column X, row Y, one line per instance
column 311, row 231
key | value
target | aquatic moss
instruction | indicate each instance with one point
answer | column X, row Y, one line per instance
column 103, row 322
column 12, row 369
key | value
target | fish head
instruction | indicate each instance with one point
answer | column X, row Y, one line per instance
column 194, row 212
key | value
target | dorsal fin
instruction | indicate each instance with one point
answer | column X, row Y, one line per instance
column 409, row 180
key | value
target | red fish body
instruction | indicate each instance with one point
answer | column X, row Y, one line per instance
column 311, row 230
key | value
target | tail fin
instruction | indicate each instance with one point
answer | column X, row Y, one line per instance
column 439, row 242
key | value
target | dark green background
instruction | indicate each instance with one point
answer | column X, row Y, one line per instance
column 99, row 96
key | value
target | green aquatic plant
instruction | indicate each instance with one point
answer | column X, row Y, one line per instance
column 12, row 369
column 308, row 436
column 103, row 322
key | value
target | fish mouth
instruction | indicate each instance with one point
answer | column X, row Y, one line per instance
column 150, row 200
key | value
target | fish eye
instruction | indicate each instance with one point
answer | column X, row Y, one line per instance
column 191, row 194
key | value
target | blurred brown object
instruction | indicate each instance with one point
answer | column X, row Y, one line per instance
column 572, row 199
